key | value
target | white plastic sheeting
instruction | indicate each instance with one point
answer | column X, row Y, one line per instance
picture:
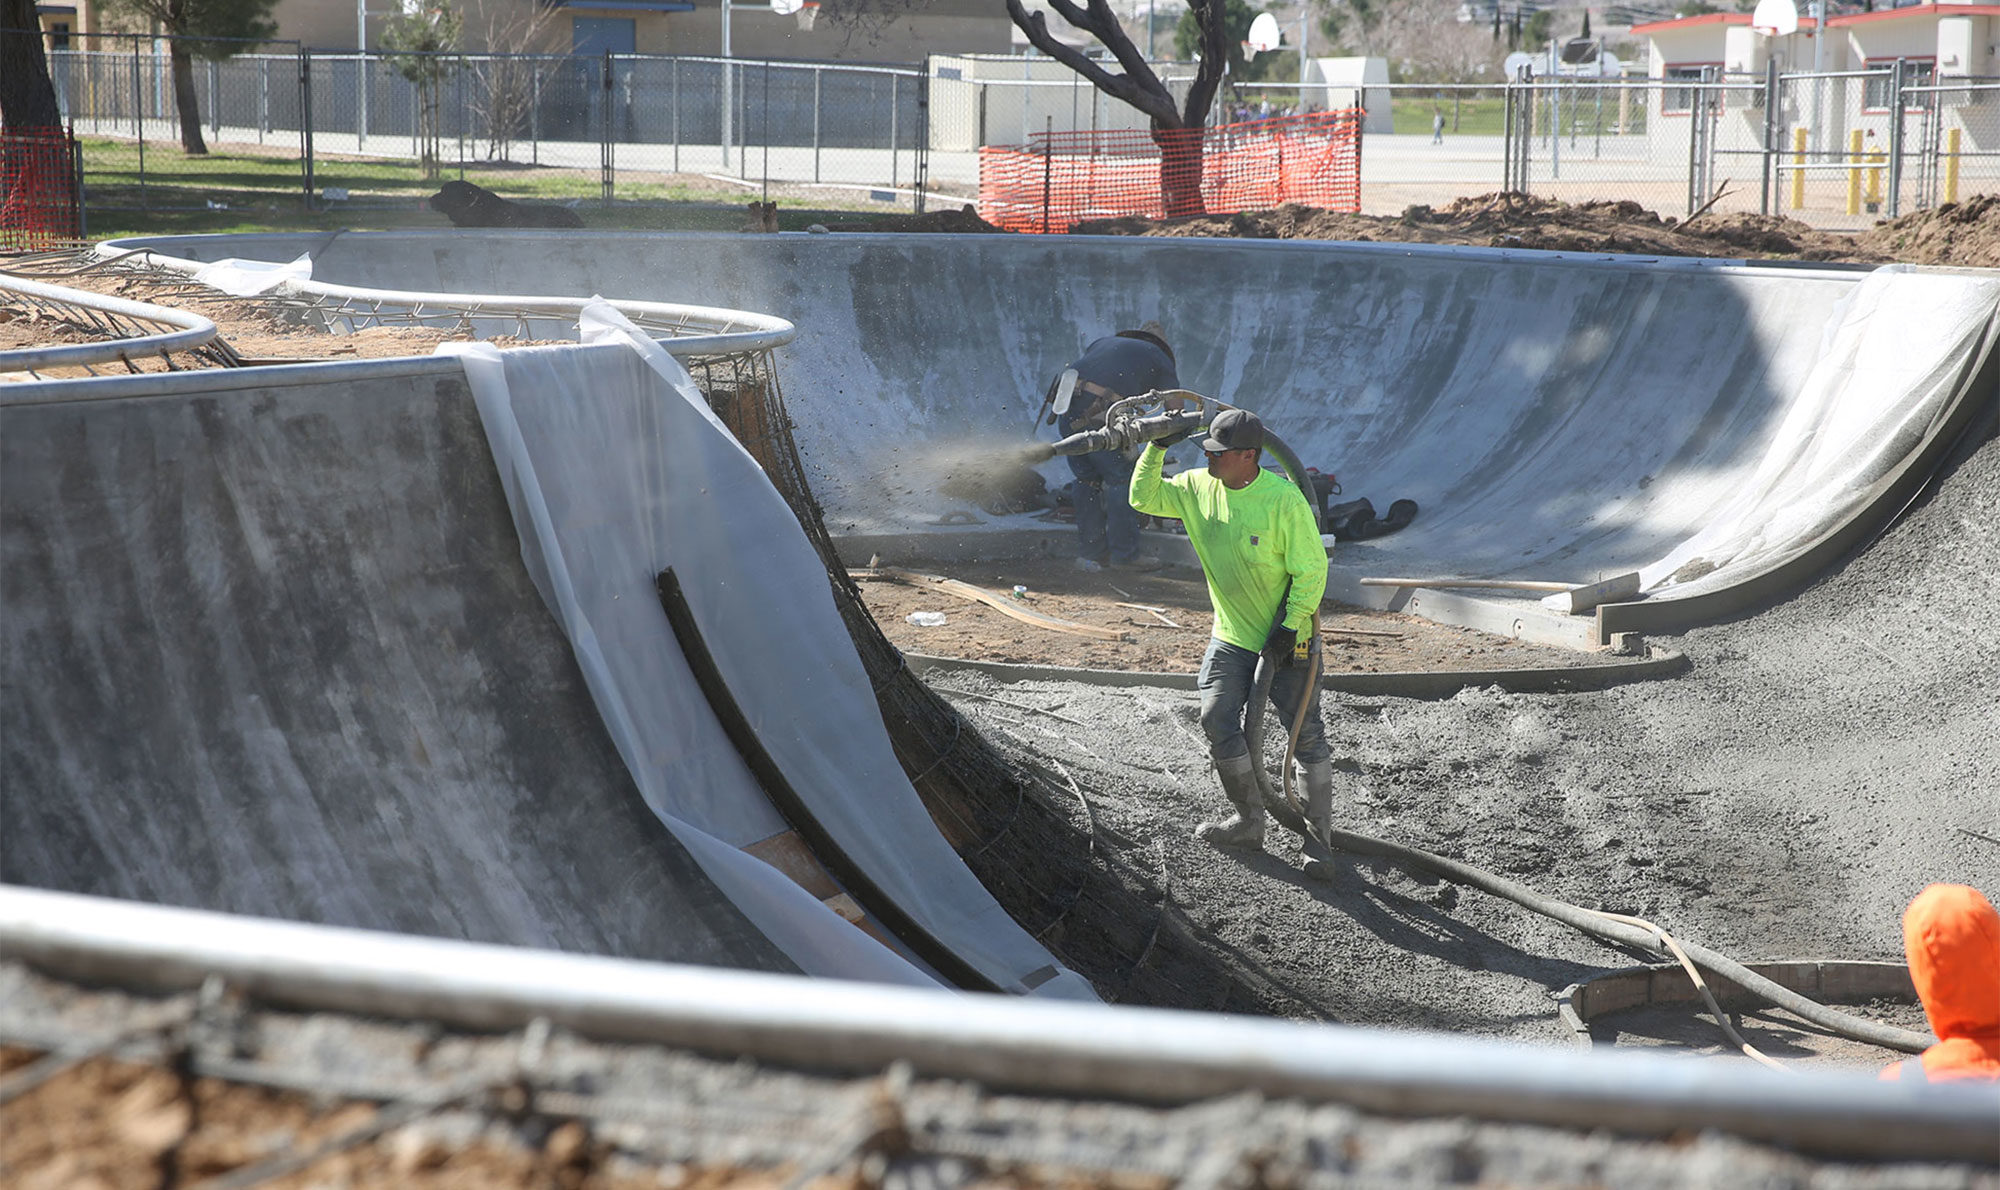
column 247, row 278
column 1868, row 402
column 616, row 470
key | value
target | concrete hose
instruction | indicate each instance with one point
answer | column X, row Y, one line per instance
column 1633, row 932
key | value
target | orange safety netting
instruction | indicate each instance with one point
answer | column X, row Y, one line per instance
column 38, row 194
column 1060, row 179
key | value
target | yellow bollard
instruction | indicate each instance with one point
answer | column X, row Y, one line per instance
column 1951, row 165
column 1799, row 175
column 1854, row 172
column 1875, row 160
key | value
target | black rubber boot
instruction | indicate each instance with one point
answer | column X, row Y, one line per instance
column 1319, row 819
column 1245, row 828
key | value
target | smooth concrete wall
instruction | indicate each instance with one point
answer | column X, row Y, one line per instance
column 1556, row 417
column 272, row 651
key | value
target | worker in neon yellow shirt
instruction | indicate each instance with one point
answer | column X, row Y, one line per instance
column 1260, row 549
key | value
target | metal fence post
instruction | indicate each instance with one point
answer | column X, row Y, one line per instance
column 464, row 117
column 604, row 154
column 893, row 81
column 817, row 77
column 263, row 98
column 306, row 125
column 361, row 110
column 139, row 117
column 1770, row 134
column 1895, row 138
column 1048, row 150
column 214, row 100
column 535, row 112
column 1507, row 139
column 923, row 146
column 674, row 108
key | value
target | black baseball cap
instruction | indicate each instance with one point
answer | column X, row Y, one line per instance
column 1234, row 429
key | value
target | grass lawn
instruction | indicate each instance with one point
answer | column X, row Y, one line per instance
column 1486, row 116
column 254, row 188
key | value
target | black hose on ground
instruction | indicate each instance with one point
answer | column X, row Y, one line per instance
column 1609, row 928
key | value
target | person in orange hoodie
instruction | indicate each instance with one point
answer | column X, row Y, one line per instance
column 1952, row 936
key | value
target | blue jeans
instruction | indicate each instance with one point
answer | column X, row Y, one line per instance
column 1104, row 507
column 1226, row 676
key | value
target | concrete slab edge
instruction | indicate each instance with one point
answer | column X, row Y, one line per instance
column 1659, row 663
column 1829, row 981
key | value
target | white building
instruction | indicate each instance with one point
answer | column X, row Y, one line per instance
column 1937, row 44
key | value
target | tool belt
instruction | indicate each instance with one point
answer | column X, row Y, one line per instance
column 1091, row 416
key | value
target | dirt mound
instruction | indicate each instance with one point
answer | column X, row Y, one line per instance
column 964, row 221
column 1523, row 221
column 1956, row 233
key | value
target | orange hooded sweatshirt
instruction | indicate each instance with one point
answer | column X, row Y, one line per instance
column 1952, row 936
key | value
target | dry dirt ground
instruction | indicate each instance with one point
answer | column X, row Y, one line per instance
column 1965, row 233
column 256, row 331
column 1168, row 630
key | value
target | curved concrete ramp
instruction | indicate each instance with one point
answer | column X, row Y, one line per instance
column 273, row 652
column 1725, row 429
column 275, row 645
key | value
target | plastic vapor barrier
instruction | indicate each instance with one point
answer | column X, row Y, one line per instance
column 1867, row 404
column 616, row 471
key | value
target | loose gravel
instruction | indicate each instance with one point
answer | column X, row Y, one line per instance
column 1823, row 761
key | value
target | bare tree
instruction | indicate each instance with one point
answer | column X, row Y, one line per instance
column 504, row 82
column 27, row 96
column 1176, row 127
column 204, row 28
column 422, row 45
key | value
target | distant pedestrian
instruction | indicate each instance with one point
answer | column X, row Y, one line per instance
column 1437, row 126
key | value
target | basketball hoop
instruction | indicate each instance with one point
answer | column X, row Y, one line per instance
column 805, row 11
column 1775, row 18
column 1264, row 35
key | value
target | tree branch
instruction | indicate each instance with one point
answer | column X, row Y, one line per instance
column 1108, row 30
column 1156, row 102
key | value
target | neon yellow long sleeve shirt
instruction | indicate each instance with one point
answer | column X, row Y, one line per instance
column 1251, row 542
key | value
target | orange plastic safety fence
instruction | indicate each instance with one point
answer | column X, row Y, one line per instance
column 1060, row 179
column 38, row 198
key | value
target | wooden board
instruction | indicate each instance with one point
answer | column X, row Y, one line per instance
column 994, row 600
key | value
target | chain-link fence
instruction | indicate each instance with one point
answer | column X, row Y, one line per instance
column 1838, row 150
column 323, row 131
column 123, row 95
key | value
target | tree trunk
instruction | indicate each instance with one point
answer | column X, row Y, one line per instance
column 27, row 97
column 1180, row 170
column 185, row 103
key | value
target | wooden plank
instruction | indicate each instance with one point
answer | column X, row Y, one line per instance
column 789, row 854
column 1482, row 584
column 1589, row 595
column 994, row 600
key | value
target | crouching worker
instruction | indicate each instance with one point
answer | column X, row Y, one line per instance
column 1951, row 934
column 1260, row 551
column 1122, row 365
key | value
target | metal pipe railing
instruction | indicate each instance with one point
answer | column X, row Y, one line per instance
column 1142, row 1054
column 124, row 321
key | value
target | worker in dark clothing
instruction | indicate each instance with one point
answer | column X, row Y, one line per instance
column 1126, row 364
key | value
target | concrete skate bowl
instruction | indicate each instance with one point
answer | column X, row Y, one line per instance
column 1724, row 429
column 376, row 644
